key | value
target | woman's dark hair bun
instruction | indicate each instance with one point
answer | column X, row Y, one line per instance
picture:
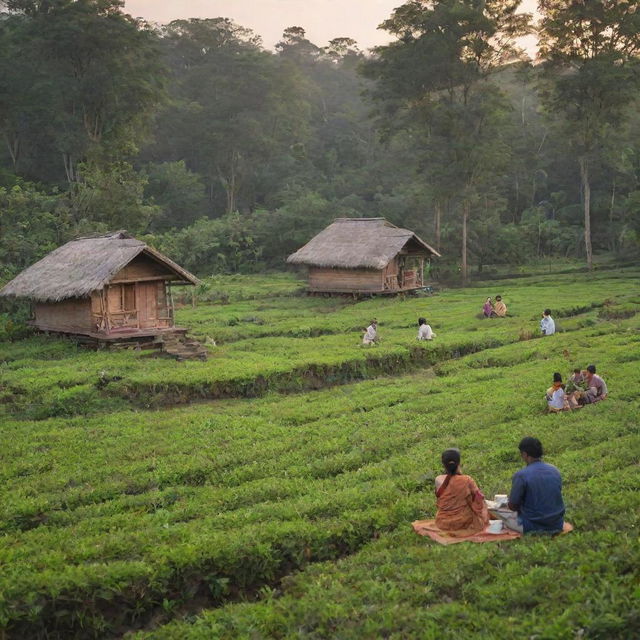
column 451, row 460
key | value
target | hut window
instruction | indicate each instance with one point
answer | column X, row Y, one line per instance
column 128, row 297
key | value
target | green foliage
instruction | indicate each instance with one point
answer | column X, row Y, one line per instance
column 32, row 224
column 177, row 192
column 154, row 129
column 233, row 109
column 224, row 245
column 114, row 517
column 433, row 79
column 110, row 197
column 262, row 342
column 591, row 52
column 95, row 79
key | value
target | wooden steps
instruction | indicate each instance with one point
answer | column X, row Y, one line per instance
column 182, row 347
column 174, row 343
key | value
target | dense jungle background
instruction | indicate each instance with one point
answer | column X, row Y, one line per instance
column 228, row 156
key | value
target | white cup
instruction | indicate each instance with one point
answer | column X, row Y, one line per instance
column 495, row 526
column 501, row 499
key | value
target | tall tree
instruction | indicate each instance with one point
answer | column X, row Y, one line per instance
column 234, row 108
column 591, row 50
column 436, row 76
column 100, row 71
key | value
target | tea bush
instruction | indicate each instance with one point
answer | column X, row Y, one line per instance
column 299, row 344
column 114, row 518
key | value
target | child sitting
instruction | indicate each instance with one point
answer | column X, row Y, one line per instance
column 424, row 330
column 557, row 399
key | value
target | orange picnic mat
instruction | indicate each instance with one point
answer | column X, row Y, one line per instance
column 429, row 528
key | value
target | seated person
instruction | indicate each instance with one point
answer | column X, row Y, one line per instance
column 575, row 388
column 596, row 387
column 578, row 377
column 487, row 308
column 535, row 501
column 461, row 507
column 547, row 324
column 557, row 399
column 424, row 330
column 500, row 307
column 371, row 333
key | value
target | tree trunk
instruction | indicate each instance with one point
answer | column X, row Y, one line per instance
column 232, row 183
column 69, row 168
column 13, row 145
column 232, row 190
column 612, row 204
column 465, row 218
column 437, row 218
column 586, row 192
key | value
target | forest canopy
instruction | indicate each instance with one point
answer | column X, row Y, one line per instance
column 229, row 156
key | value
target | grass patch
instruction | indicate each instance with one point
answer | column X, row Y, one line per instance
column 114, row 520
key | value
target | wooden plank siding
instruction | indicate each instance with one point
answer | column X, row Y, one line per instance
column 391, row 276
column 135, row 298
column 141, row 268
column 71, row 316
column 125, row 305
column 394, row 278
column 345, row 280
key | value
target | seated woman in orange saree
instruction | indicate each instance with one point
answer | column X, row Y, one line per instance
column 461, row 507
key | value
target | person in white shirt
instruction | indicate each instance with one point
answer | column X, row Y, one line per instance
column 424, row 330
column 556, row 397
column 547, row 325
column 371, row 333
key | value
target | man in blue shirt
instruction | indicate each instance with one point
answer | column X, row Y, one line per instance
column 536, row 492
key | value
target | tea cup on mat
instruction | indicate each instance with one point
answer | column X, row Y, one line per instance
column 501, row 499
column 495, row 526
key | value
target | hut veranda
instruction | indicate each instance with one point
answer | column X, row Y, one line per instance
column 106, row 287
column 364, row 255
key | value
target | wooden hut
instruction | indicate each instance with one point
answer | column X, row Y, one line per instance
column 109, row 287
column 364, row 255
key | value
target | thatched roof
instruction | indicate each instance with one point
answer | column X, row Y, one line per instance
column 357, row 243
column 82, row 266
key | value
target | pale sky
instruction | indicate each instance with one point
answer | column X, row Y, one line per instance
column 321, row 19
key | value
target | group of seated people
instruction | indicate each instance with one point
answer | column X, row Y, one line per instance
column 425, row 332
column 584, row 387
column 534, row 504
column 497, row 310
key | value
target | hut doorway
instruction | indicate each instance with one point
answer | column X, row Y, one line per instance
column 152, row 310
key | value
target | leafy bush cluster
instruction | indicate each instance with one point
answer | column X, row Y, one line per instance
column 291, row 343
column 113, row 520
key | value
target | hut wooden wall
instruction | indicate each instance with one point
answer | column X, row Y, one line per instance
column 147, row 299
column 391, row 275
column 133, row 305
column 72, row 315
column 151, row 300
column 345, row 280
column 141, row 267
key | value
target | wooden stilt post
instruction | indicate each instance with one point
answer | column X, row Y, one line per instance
column 171, row 308
column 105, row 309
